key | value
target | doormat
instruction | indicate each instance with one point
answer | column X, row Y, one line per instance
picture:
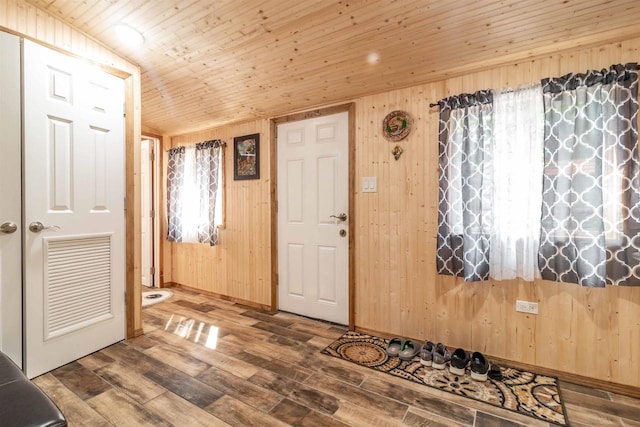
column 526, row 393
column 154, row 297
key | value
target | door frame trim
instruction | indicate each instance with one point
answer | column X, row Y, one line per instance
column 273, row 176
column 133, row 285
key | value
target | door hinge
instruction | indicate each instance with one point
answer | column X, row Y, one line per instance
column 152, row 270
column 276, row 206
column 277, row 279
column 125, row 203
column 152, row 213
column 152, row 156
column 125, row 296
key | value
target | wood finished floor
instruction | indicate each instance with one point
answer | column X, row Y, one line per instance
column 206, row 362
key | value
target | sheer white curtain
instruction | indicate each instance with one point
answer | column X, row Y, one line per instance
column 518, row 161
column 209, row 181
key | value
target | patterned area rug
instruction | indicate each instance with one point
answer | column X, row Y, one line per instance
column 523, row 392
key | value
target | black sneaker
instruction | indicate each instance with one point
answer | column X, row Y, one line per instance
column 459, row 362
column 479, row 367
column 495, row 373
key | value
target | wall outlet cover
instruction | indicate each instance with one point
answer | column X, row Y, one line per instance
column 527, row 307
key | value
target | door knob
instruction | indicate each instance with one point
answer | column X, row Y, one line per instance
column 340, row 217
column 8, row 227
column 37, row 227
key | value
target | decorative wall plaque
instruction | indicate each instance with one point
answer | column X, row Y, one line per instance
column 396, row 125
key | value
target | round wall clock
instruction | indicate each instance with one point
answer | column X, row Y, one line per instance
column 396, row 125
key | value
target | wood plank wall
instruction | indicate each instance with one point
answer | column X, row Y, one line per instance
column 589, row 332
column 240, row 266
column 30, row 22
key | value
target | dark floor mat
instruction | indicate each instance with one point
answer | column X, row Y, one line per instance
column 526, row 393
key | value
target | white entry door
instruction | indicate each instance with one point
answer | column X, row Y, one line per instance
column 74, row 190
column 313, row 203
column 11, row 200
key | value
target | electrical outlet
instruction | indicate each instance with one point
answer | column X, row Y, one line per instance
column 527, row 307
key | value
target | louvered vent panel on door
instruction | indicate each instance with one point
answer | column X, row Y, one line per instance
column 77, row 283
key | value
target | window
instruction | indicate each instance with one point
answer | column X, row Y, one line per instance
column 194, row 192
column 563, row 204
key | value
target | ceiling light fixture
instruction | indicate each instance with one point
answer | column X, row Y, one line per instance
column 373, row 58
column 129, row 35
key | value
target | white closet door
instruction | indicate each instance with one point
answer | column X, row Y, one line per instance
column 73, row 187
column 10, row 200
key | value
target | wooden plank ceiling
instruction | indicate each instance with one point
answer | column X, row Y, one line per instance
column 207, row 63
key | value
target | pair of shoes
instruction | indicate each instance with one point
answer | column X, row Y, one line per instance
column 404, row 349
column 459, row 361
column 480, row 367
column 441, row 356
column 426, row 353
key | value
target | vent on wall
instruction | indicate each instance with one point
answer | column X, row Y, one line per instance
column 77, row 283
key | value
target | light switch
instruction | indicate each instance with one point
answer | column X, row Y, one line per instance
column 369, row 184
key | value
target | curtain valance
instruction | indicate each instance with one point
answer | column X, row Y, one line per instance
column 214, row 143
column 623, row 74
column 466, row 100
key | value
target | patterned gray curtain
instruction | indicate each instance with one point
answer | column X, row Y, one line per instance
column 175, row 182
column 208, row 162
column 464, row 203
column 590, row 229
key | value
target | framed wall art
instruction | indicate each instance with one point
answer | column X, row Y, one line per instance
column 246, row 157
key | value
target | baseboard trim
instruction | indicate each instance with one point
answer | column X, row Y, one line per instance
column 262, row 307
column 582, row 380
